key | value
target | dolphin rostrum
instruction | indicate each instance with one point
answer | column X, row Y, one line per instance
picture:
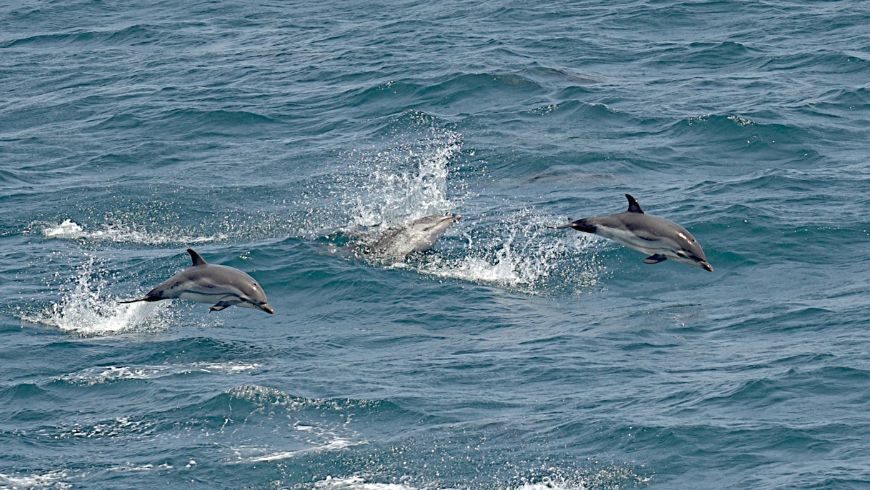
column 658, row 237
column 417, row 236
column 208, row 283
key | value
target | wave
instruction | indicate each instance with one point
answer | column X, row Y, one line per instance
column 84, row 309
column 318, row 425
column 195, row 122
column 134, row 34
column 263, row 396
column 465, row 92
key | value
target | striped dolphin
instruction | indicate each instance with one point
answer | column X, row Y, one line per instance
column 658, row 237
column 417, row 236
column 208, row 283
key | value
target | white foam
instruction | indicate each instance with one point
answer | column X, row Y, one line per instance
column 582, row 479
column 106, row 374
column 131, row 468
column 85, row 310
column 52, row 479
column 104, row 430
column 357, row 483
column 334, row 445
column 68, row 229
column 124, row 233
column 574, row 480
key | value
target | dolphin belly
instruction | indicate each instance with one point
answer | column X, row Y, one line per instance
column 632, row 240
column 217, row 297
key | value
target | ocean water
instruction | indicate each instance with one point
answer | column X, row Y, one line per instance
column 512, row 355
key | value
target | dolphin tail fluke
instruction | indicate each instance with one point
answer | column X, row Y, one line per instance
column 146, row 298
column 583, row 225
column 152, row 295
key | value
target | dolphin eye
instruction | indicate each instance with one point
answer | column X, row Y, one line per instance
column 682, row 254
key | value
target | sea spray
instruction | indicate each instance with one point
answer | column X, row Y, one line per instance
column 86, row 309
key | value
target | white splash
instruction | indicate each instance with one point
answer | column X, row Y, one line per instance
column 120, row 232
column 405, row 182
column 68, row 229
column 524, row 254
column 357, row 483
column 52, row 479
column 85, row 310
column 334, row 445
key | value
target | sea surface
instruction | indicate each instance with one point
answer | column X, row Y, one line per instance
column 265, row 135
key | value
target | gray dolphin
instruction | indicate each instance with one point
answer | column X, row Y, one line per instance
column 417, row 236
column 658, row 237
column 208, row 283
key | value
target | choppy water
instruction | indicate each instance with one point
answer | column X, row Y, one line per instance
column 512, row 356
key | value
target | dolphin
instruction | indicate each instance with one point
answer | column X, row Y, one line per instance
column 208, row 283
column 658, row 237
column 417, row 236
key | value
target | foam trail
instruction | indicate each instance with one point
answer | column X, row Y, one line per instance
column 52, row 479
column 84, row 310
column 119, row 232
column 107, row 374
column 357, row 483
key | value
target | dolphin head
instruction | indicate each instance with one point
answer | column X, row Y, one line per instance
column 417, row 236
column 253, row 297
column 688, row 251
column 436, row 224
column 427, row 230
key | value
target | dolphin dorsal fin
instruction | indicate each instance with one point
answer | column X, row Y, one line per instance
column 633, row 206
column 197, row 260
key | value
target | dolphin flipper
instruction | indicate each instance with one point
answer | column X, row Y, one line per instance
column 220, row 306
column 654, row 259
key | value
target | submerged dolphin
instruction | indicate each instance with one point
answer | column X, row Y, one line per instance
column 207, row 283
column 416, row 236
column 660, row 238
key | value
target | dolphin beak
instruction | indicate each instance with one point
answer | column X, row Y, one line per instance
column 456, row 217
column 707, row 267
column 268, row 309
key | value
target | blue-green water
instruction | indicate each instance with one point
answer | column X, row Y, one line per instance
column 512, row 356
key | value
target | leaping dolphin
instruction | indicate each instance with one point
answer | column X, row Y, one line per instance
column 417, row 236
column 658, row 237
column 208, row 283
